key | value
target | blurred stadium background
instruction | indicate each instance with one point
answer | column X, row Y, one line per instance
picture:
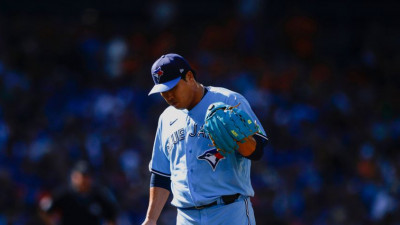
column 323, row 76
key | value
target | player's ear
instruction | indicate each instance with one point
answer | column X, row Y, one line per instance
column 190, row 76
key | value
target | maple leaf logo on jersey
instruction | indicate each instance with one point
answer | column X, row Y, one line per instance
column 212, row 156
column 158, row 73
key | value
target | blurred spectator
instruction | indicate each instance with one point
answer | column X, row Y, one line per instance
column 84, row 202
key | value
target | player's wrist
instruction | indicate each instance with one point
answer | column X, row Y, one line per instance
column 247, row 147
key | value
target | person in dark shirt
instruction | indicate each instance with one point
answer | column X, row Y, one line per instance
column 83, row 203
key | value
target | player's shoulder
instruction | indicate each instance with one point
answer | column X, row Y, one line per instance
column 222, row 91
column 169, row 113
column 224, row 94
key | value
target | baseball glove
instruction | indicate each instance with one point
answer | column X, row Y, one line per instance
column 227, row 125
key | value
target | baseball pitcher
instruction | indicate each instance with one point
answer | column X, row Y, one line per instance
column 203, row 148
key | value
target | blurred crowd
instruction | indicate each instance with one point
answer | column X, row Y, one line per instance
column 322, row 78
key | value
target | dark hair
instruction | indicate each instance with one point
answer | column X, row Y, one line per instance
column 193, row 72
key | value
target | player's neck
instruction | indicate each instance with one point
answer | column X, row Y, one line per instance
column 199, row 93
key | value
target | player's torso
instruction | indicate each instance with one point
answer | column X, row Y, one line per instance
column 186, row 142
column 198, row 170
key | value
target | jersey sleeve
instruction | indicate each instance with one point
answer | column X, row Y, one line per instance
column 159, row 163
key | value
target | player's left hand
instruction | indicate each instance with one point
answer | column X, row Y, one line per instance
column 227, row 126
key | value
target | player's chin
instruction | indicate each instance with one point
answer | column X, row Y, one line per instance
column 179, row 107
column 175, row 104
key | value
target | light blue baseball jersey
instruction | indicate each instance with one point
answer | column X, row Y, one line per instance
column 182, row 151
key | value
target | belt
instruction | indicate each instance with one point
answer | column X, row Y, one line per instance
column 226, row 199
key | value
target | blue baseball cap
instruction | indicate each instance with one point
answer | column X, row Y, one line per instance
column 167, row 71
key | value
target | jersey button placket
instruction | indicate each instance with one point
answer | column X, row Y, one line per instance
column 189, row 161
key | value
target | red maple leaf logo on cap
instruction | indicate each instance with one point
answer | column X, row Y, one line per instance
column 158, row 73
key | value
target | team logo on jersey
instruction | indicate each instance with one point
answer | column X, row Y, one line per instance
column 212, row 156
column 158, row 73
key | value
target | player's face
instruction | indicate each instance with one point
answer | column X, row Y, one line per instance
column 181, row 96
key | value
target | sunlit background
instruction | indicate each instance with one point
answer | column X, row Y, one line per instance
column 322, row 76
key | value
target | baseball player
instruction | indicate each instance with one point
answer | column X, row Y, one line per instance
column 194, row 156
